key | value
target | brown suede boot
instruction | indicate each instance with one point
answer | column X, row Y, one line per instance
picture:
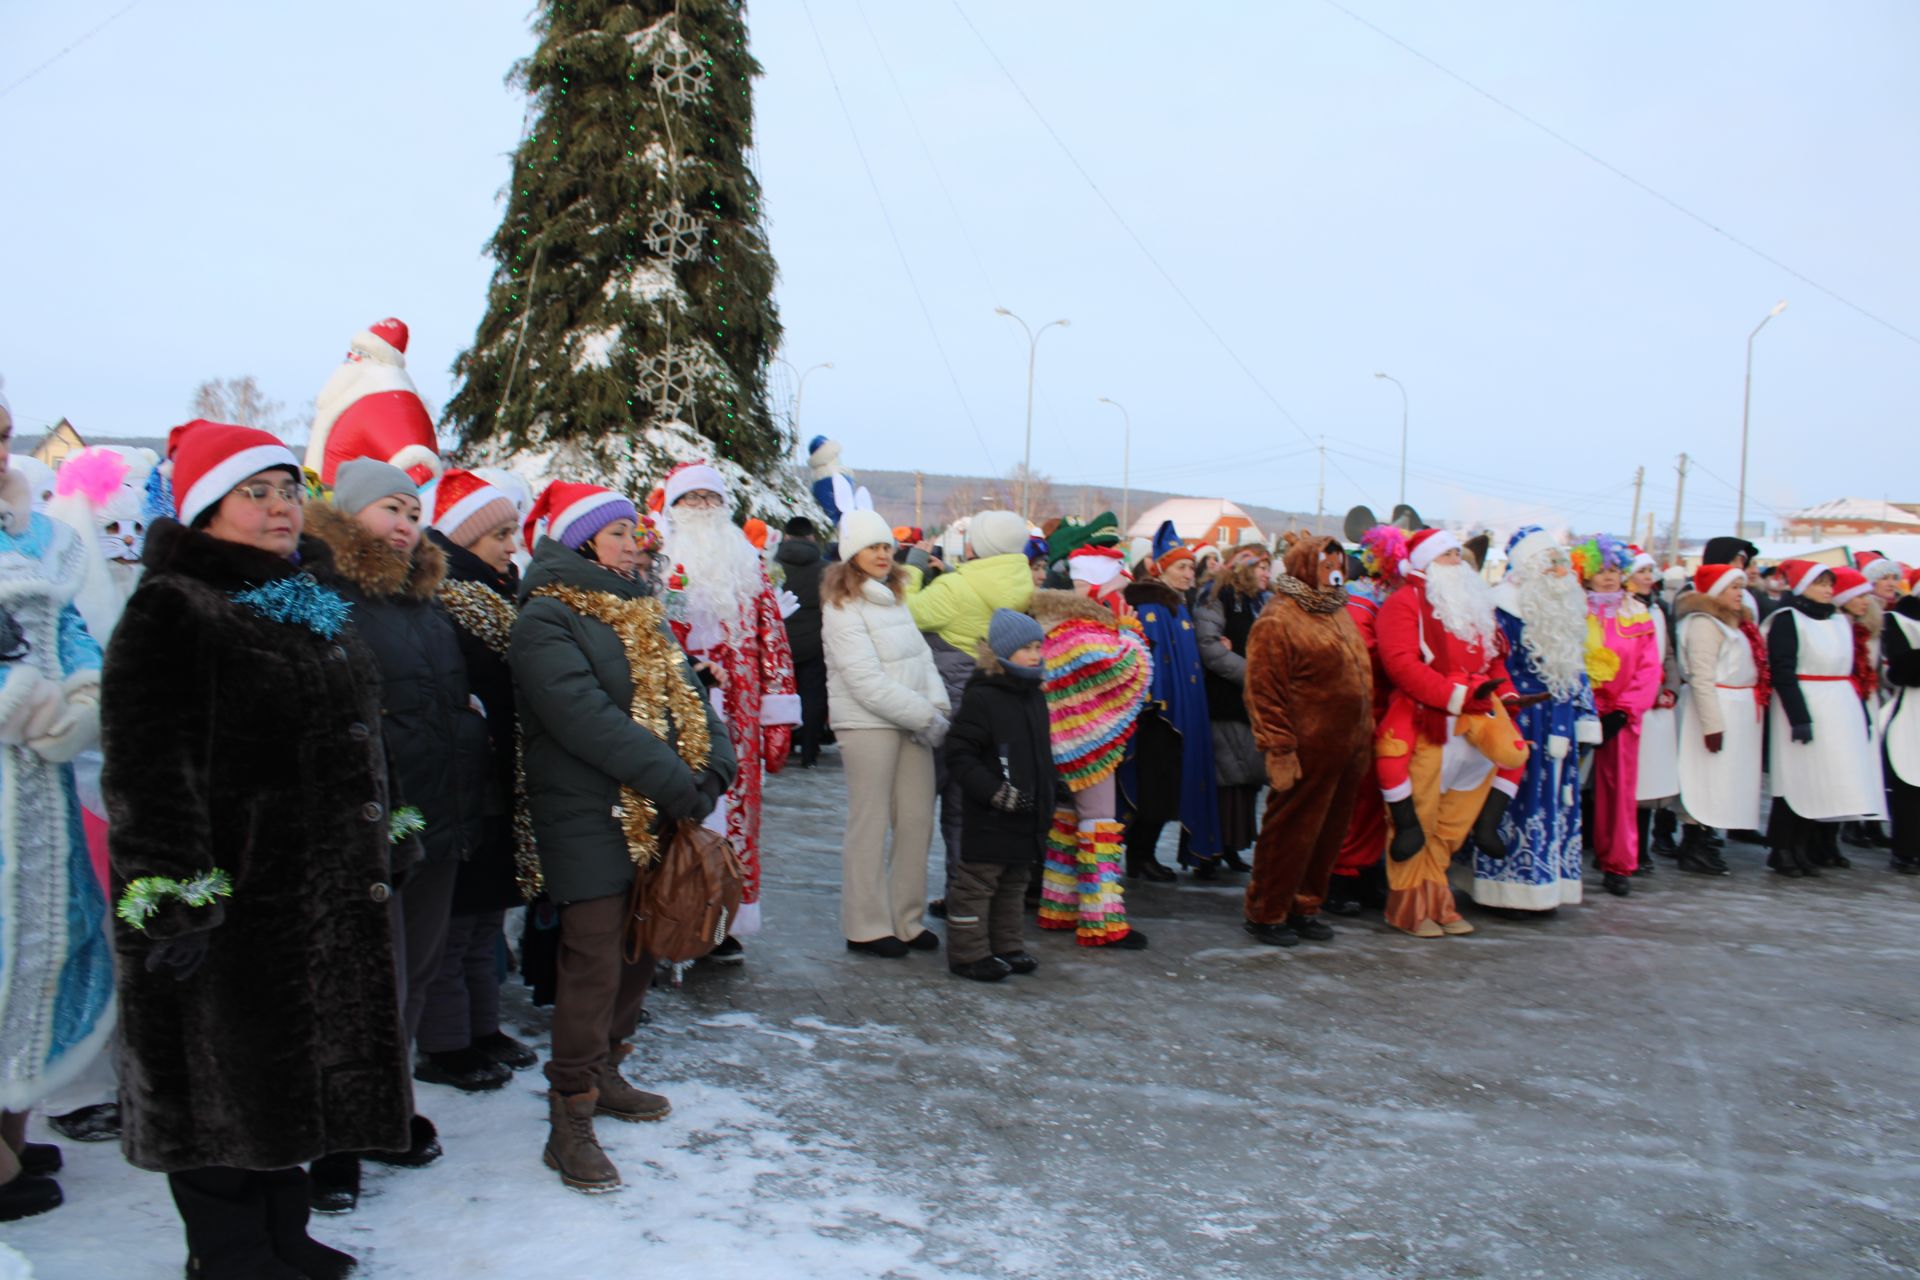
column 619, row 1098
column 572, row 1150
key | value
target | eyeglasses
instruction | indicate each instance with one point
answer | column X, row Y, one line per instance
column 261, row 493
column 701, row 498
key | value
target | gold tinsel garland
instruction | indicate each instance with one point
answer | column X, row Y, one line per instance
column 665, row 701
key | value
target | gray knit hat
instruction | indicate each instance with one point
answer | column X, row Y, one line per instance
column 364, row 481
column 1009, row 632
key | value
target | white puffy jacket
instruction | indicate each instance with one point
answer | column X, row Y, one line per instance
column 880, row 673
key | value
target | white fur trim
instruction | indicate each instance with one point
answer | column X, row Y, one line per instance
column 1506, row 786
column 1882, row 568
column 1642, row 561
column 1457, row 700
column 1527, row 548
column 1588, row 733
column 1727, row 581
column 418, row 455
column 1096, row 571
column 458, row 513
column 221, row 478
column 1399, row 792
column 558, row 525
column 779, row 708
column 1435, row 546
column 695, row 475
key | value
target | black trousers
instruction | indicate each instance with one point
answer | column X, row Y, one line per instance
column 810, row 678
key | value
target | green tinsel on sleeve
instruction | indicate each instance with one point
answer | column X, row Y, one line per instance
column 405, row 823
column 143, row 897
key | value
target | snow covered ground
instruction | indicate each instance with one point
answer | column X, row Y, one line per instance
column 1709, row 1078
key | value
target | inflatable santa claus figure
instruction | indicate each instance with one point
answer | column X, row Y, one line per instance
column 369, row 409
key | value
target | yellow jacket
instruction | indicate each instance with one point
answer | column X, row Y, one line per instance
column 960, row 603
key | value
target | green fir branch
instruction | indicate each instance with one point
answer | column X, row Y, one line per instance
column 405, row 823
column 146, row 895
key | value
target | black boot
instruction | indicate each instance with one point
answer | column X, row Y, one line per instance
column 28, row 1194
column 97, row 1123
column 1699, row 857
column 423, row 1147
column 225, row 1214
column 1486, row 827
column 1617, row 885
column 1274, row 935
column 1643, row 819
column 334, row 1186
column 1665, row 823
column 287, row 1206
column 1232, row 861
column 1408, row 838
column 1144, row 866
column 466, row 1069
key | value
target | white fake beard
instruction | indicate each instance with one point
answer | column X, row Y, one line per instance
column 723, row 569
column 1554, row 613
column 1463, row 602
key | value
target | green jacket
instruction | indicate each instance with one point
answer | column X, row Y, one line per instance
column 960, row 603
column 574, row 692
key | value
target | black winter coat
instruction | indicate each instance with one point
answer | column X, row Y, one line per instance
column 803, row 564
column 1001, row 734
column 435, row 738
column 480, row 604
column 580, row 743
column 240, row 742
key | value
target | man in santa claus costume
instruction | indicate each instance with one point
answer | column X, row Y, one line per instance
column 1541, row 607
column 369, row 409
column 724, row 610
column 1445, row 732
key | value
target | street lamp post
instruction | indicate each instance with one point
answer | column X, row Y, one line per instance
column 1033, row 346
column 1746, row 405
column 1126, row 465
column 800, row 390
column 1403, row 433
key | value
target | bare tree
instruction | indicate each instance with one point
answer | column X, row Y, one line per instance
column 240, row 400
column 1039, row 490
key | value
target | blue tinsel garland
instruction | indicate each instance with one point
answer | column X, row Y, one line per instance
column 301, row 600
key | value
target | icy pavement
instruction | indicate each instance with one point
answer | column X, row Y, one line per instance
column 1711, row 1078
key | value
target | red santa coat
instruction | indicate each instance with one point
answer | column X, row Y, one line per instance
column 1433, row 673
column 758, row 699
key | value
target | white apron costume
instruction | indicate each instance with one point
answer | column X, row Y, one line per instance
column 1722, row 789
column 1900, row 716
column 1659, row 733
column 1836, row 777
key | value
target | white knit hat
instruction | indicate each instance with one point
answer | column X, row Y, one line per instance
column 862, row 529
column 997, row 533
column 689, row 477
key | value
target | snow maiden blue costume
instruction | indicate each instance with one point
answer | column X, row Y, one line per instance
column 56, row 956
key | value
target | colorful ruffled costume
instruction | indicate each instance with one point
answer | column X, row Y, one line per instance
column 1097, row 672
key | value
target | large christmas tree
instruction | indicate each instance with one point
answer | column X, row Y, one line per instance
column 630, row 319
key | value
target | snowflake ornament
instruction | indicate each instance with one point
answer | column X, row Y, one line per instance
column 672, row 378
column 678, row 70
column 676, row 235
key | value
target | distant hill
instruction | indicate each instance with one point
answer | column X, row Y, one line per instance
column 944, row 498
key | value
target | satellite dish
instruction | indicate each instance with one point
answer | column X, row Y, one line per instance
column 1407, row 518
column 1359, row 520
column 1476, row 549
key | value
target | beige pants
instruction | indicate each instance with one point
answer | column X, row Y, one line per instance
column 889, row 785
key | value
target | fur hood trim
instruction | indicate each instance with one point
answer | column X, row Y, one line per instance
column 1050, row 608
column 1152, row 591
column 371, row 564
column 1732, row 611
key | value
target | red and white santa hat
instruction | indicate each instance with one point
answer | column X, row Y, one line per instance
column 1877, row 566
column 211, row 459
column 1849, row 584
column 1096, row 566
column 1718, row 579
column 1641, row 560
column 1426, row 546
column 575, row 512
column 1800, row 574
column 691, row 476
column 369, row 409
column 466, row 507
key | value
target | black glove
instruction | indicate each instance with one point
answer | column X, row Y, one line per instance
column 711, row 786
column 1612, row 723
column 1010, row 799
column 180, row 956
column 1803, row 732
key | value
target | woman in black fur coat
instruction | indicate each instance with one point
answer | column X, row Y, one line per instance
column 247, row 789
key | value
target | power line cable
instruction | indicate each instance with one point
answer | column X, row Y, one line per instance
column 108, row 21
column 900, row 249
column 1141, row 245
column 1622, row 174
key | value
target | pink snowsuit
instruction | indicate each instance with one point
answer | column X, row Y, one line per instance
column 1632, row 688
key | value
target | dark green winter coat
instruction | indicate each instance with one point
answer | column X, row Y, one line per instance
column 574, row 693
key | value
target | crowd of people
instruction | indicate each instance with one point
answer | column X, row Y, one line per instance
column 295, row 758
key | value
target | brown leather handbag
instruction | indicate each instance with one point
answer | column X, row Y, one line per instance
column 682, row 906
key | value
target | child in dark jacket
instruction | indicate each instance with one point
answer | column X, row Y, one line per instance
column 1000, row 754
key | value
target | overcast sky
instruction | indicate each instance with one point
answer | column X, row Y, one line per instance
column 205, row 189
